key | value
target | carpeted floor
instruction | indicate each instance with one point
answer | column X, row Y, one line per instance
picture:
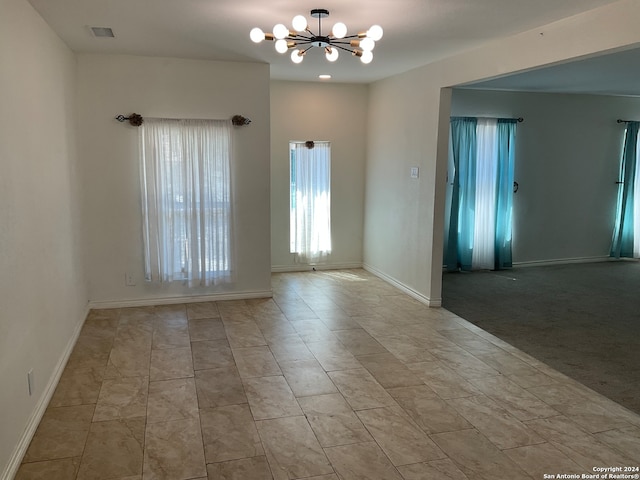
column 581, row 319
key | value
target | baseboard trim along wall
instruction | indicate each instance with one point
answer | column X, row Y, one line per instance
column 563, row 261
column 308, row 268
column 41, row 406
column 435, row 302
column 147, row 302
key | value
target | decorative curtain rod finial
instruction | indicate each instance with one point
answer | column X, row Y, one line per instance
column 240, row 121
column 134, row 119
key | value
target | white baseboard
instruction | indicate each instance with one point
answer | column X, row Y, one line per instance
column 146, row 302
column 308, row 268
column 563, row 261
column 41, row 406
column 430, row 302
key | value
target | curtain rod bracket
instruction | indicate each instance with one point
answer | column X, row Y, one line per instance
column 240, row 121
column 134, row 119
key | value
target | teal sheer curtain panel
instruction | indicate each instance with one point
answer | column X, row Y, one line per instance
column 480, row 220
column 504, row 201
column 622, row 244
column 461, row 228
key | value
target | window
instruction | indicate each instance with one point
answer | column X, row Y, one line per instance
column 310, row 200
column 186, row 200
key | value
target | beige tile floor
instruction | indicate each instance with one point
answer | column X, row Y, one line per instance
column 339, row 376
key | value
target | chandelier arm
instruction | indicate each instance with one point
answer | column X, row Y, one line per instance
column 306, row 42
column 298, row 37
column 341, row 47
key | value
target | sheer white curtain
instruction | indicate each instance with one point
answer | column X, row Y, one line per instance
column 484, row 232
column 310, row 201
column 186, row 200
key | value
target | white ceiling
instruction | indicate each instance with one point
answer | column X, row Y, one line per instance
column 612, row 74
column 416, row 32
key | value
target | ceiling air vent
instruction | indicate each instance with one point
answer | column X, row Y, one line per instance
column 102, row 32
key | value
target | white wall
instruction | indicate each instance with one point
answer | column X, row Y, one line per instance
column 43, row 298
column 320, row 111
column 172, row 88
column 403, row 220
column 398, row 208
column 567, row 162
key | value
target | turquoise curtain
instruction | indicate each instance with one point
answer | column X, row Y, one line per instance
column 460, row 242
column 622, row 242
column 464, row 150
column 504, row 192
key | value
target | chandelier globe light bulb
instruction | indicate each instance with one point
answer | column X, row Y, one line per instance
column 299, row 23
column 280, row 31
column 281, row 46
column 367, row 44
column 339, row 30
column 256, row 35
column 366, row 57
column 331, row 54
column 375, row 33
column 296, row 57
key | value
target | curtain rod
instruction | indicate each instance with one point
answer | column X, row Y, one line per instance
column 136, row 119
column 625, row 121
column 519, row 119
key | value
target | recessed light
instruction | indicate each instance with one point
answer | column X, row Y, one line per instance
column 324, row 76
column 102, row 32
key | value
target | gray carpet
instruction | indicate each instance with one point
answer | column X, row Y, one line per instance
column 581, row 319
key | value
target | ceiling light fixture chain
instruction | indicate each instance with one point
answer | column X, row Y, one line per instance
column 302, row 39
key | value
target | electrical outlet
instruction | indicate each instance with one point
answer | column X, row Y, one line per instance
column 30, row 382
column 129, row 281
column 415, row 172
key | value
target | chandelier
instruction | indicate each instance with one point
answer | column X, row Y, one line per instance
column 302, row 39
